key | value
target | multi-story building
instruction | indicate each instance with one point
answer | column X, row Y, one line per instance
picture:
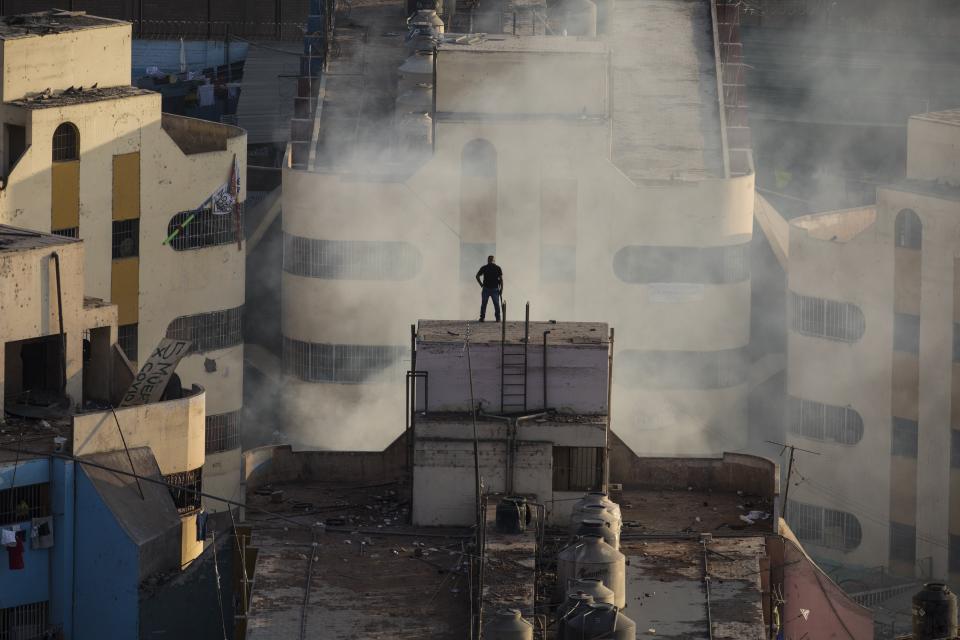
column 609, row 187
column 872, row 378
column 84, row 154
column 86, row 539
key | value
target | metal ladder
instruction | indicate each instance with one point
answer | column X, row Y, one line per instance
column 513, row 368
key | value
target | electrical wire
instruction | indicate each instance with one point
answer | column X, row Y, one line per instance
column 216, row 575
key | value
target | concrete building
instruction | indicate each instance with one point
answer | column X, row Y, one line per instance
column 607, row 188
column 105, row 533
column 872, row 379
column 84, row 154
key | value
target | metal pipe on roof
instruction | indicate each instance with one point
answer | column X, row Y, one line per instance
column 63, row 336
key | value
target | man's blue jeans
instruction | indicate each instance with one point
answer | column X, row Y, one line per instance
column 488, row 293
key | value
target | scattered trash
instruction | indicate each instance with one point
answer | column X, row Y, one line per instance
column 754, row 516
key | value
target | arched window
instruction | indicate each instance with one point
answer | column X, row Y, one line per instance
column 823, row 318
column 478, row 205
column 66, row 143
column 908, row 232
column 819, row 421
column 824, row 527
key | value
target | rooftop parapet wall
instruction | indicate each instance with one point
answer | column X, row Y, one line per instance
column 933, row 147
column 56, row 51
column 192, row 135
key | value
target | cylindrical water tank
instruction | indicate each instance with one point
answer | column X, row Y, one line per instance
column 575, row 604
column 579, row 18
column 599, row 527
column 934, row 612
column 427, row 19
column 601, row 621
column 592, row 587
column 591, row 557
column 417, row 69
column 508, row 625
column 512, row 514
column 601, row 498
column 596, row 511
column 416, row 99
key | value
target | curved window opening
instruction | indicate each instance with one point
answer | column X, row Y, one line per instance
column 824, row 527
column 223, row 432
column 694, row 265
column 66, row 143
column 825, row 422
column 351, row 259
column 823, row 318
column 478, row 205
column 682, row 369
column 201, row 228
column 209, row 331
column 908, row 230
column 342, row 363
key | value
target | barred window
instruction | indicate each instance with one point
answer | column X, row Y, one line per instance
column 200, row 228
column 908, row 230
column 72, row 232
column 826, row 318
column 126, row 238
column 903, row 441
column 209, row 331
column 682, row 369
column 127, row 336
column 185, row 489
column 25, row 502
column 473, row 255
column 577, row 468
column 66, row 143
column 223, row 432
column 906, row 333
column 350, row 259
column 825, row 527
column 695, row 265
column 819, row 421
column 344, row 363
column 25, row 621
column 903, row 542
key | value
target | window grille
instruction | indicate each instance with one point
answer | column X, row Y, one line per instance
column 209, row 331
column 223, row 432
column 127, row 340
column 25, row 621
column 72, row 232
column 956, row 342
column 473, row 255
column 954, row 554
column 66, row 143
column 693, row 265
column 904, row 438
column 126, row 238
column 25, row 502
column 185, row 489
column 343, row 363
column 903, row 542
column 827, row 318
column 203, row 229
column 819, row 421
column 558, row 263
column 577, row 468
column 908, row 230
column 955, row 448
column 825, row 527
column 906, row 333
column 682, row 369
column 351, row 259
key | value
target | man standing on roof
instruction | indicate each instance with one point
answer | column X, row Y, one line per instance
column 490, row 277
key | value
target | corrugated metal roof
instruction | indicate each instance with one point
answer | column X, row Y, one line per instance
column 268, row 89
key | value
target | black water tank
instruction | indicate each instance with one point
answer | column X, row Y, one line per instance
column 934, row 612
column 512, row 515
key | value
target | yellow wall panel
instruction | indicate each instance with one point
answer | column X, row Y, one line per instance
column 904, row 399
column 906, row 286
column 126, row 186
column 125, row 289
column 65, row 201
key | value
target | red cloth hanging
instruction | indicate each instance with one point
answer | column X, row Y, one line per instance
column 15, row 554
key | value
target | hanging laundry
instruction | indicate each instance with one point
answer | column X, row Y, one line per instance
column 205, row 95
column 15, row 554
column 201, row 525
column 8, row 537
column 41, row 533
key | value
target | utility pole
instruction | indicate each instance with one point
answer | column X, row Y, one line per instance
column 793, row 450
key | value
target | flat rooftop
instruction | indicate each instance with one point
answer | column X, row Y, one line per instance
column 78, row 95
column 492, row 332
column 666, row 113
column 949, row 116
column 43, row 23
column 17, row 239
column 532, row 44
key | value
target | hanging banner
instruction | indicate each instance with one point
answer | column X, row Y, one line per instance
column 224, row 200
column 156, row 372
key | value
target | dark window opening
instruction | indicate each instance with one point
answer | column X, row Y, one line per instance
column 66, row 143
column 577, row 468
column 24, row 503
column 908, row 230
column 350, row 259
column 955, row 449
column 823, row 318
column 906, row 333
column 223, row 432
column 201, row 228
column 127, row 340
column 209, row 331
column 16, row 144
column 825, row 527
column 954, row 553
column 903, row 543
column 185, row 489
column 819, row 421
column 126, row 238
column 903, row 440
column 33, row 369
column 27, row 621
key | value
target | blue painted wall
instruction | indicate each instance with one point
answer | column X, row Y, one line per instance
column 107, row 571
column 32, row 584
column 61, row 555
